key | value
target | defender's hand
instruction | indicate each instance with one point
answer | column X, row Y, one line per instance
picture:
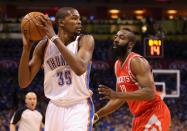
column 107, row 92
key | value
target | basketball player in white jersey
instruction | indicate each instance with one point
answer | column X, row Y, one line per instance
column 66, row 64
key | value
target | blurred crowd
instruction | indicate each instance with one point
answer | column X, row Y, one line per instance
column 12, row 97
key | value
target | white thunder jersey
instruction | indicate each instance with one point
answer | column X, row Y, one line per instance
column 61, row 85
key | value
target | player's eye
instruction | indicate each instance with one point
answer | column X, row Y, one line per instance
column 123, row 37
column 75, row 18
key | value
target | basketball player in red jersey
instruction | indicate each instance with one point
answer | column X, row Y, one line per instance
column 134, row 85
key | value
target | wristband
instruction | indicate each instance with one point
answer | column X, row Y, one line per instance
column 97, row 116
column 54, row 38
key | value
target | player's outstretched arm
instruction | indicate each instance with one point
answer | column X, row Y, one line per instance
column 110, row 107
column 142, row 72
column 29, row 68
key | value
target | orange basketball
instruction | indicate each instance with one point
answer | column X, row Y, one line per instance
column 29, row 28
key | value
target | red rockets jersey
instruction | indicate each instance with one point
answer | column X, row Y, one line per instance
column 126, row 82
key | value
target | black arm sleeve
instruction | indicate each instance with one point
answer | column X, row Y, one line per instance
column 17, row 116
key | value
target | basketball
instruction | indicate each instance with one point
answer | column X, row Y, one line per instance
column 29, row 27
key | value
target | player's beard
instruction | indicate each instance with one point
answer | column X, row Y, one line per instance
column 119, row 50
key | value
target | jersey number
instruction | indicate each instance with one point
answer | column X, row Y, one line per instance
column 64, row 78
column 123, row 88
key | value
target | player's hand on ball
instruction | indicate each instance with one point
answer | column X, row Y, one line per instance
column 46, row 26
column 107, row 92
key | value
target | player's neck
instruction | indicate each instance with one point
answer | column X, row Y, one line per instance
column 65, row 37
column 124, row 57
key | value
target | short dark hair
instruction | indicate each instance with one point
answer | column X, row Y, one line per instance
column 131, row 35
column 63, row 12
column 127, row 29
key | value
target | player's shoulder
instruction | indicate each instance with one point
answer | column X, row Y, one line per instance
column 138, row 64
column 86, row 37
column 138, row 59
column 134, row 54
column 86, row 40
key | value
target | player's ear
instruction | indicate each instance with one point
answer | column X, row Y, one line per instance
column 60, row 23
column 131, row 44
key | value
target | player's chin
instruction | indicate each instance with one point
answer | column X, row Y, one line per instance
column 33, row 105
column 77, row 32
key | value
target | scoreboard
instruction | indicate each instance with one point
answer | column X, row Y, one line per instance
column 153, row 48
